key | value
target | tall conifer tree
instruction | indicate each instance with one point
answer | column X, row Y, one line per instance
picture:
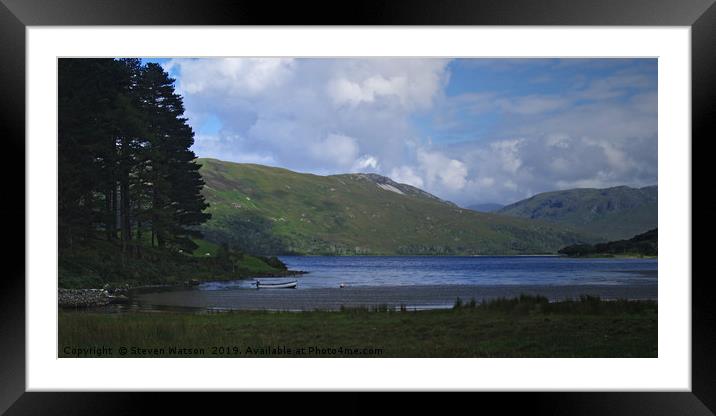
column 124, row 156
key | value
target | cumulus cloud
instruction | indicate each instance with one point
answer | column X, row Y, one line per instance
column 335, row 149
column 345, row 91
column 366, row 163
column 403, row 83
column 440, row 170
column 509, row 170
column 407, row 175
column 508, row 153
column 600, row 131
column 227, row 147
column 321, row 116
column 233, row 76
column 470, row 142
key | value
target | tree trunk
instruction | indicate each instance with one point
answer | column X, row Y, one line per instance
column 111, row 215
column 125, row 216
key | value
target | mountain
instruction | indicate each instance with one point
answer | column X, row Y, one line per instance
column 489, row 207
column 611, row 213
column 268, row 210
column 645, row 244
column 390, row 185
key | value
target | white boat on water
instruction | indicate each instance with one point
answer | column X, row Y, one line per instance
column 285, row 285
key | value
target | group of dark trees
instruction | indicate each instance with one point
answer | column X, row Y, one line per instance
column 126, row 171
column 645, row 244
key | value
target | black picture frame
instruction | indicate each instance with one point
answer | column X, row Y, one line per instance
column 15, row 15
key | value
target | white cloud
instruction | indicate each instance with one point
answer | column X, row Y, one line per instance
column 518, row 168
column 508, row 152
column 441, row 171
column 560, row 141
column 235, row 76
column 322, row 116
column 485, row 182
column 344, row 91
column 225, row 148
column 329, row 116
column 600, row 133
column 365, row 163
column 335, row 149
column 405, row 83
column 407, row 175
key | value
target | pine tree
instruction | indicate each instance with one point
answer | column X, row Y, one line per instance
column 177, row 203
column 125, row 162
column 86, row 106
column 129, row 131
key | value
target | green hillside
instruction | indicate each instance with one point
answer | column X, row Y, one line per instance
column 611, row 213
column 267, row 210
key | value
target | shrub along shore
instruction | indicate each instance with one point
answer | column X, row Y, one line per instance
column 101, row 265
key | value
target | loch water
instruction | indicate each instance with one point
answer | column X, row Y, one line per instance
column 326, row 271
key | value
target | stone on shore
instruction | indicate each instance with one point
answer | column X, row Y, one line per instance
column 83, row 298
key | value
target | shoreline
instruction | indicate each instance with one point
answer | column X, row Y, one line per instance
column 411, row 297
column 99, row 297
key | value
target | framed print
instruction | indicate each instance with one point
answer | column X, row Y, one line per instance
column 461, row 197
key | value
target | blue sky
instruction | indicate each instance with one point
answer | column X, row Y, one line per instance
column 469, row 130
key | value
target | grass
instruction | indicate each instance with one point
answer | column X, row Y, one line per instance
column 521, row 327
column 205, row 247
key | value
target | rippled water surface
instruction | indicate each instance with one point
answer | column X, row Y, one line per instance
column 424, row 270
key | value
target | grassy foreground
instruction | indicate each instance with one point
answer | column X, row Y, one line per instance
column 522, row 327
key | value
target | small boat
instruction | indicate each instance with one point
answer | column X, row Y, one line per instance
column 285, row 285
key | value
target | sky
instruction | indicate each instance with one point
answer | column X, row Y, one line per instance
column 467, row 130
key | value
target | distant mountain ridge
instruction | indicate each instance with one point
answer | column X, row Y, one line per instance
column 611, row 213
column 268, row 210
column 488, row 207
column 388, row 184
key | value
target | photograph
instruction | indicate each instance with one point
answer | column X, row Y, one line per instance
column 404, row 197
column 454, row 197
column 357, row 207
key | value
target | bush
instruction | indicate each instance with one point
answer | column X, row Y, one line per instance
column 274, row 262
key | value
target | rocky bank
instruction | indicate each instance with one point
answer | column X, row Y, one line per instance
column 78, row 298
